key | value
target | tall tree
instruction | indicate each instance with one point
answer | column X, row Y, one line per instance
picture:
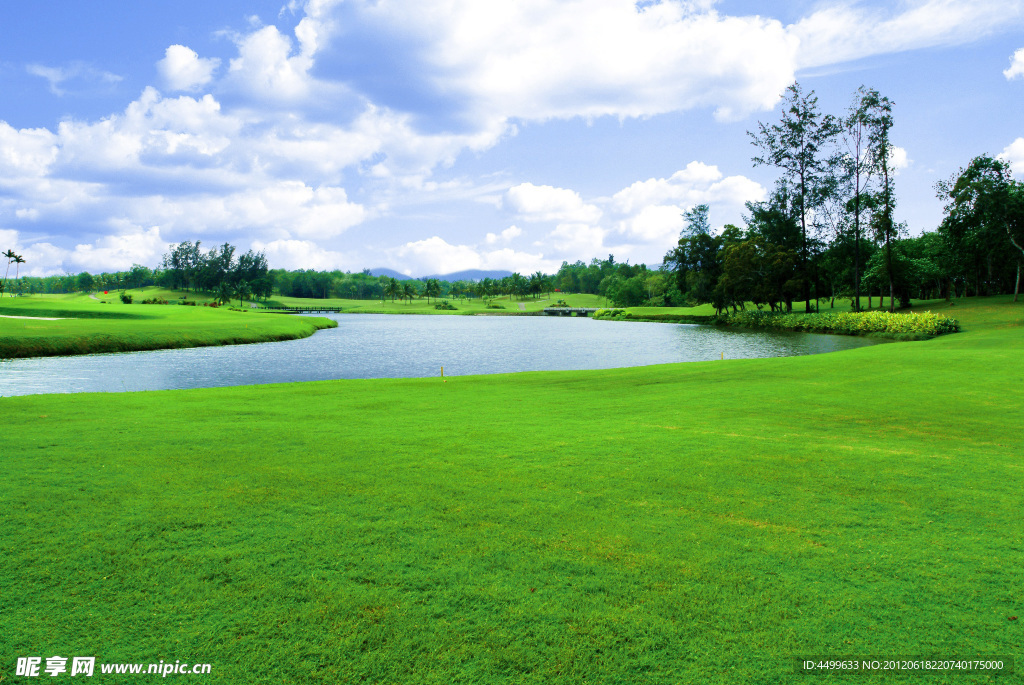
column 18, row 261
column 886, row 230
column 392, row 288
column 984, row 218
column 10, row 257
column 798, row 145
column 858, row 167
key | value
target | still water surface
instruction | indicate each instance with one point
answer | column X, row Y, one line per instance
column 409, row 346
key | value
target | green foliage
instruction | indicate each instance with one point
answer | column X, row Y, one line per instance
column 126, row 298
column 924, row 324
column 155, row 300
column 445, row 305
column 495, row 305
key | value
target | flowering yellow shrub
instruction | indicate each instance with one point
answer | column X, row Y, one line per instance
column 847, row 323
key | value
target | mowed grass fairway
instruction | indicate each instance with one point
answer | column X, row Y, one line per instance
column 85, row 326
column 473, row 305
column 700, row 522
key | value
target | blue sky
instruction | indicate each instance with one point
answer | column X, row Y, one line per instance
column 431, row 136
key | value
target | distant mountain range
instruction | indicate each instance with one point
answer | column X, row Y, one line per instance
column 390, row 273
column 467, row 275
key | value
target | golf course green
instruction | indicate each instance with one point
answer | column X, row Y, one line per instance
column 707, row 522
column 43, row 326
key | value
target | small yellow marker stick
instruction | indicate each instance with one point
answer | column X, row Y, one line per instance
column 723, row 356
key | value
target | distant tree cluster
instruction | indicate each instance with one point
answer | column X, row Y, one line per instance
column 218, row 271
column 624, row 284
column 365, row 286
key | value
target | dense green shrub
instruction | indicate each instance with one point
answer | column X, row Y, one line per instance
column 155, row 300
column 846, row 323
column 444, row 304
column 495, row 305
column 126, row 298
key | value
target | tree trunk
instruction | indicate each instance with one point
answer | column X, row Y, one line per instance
column 1016, row 288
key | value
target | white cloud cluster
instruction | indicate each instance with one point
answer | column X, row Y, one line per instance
column 640, row 221
column 899, row 159
column 436, row 255
column 300, row 254
column 567, row 58
column 1016, row 68
column 848, row 31
column 1013, row 154
column 126, row 246
column 506, row 236
column 546, row 203
column 183, row 69
column 652, row 207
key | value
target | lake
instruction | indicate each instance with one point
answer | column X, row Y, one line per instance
column 410, row 346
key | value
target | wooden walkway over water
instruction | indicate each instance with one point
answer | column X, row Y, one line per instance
column 570, row 311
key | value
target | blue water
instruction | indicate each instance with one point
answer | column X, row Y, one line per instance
column 406, row 346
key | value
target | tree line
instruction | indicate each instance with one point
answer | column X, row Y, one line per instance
column 218, row 271
column 828, row 228
column 365, row 286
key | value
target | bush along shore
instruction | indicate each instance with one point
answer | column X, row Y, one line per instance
column 901, row 326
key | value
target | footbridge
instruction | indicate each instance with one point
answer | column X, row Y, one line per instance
column 570, row 311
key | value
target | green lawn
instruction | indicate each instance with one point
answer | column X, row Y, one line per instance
column 85, row 326
column 700, row 522
column 463, row 306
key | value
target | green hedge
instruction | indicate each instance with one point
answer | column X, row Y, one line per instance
column 618, row 314
column 925, row 324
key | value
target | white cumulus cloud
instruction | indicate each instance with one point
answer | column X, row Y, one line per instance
column 547, row 203
column 436, row 255
column 1016, row 67
column 183, row 69
column 118, row 252
column 506, row 236
column 300, row 254
column 1013, row 154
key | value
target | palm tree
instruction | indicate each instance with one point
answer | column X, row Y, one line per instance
column 224, row 292
column 433, row 288
column 243, row 290
column 517, row 285
column 18, row 261
column 408, row 291
column 392, row 289
column 10, row 257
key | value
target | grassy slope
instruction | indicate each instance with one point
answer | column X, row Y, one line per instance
column 684, row 523
column 93, row 326
column 471, row 306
